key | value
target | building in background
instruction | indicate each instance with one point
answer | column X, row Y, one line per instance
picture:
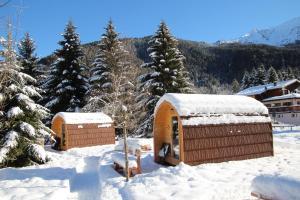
column 281, row 98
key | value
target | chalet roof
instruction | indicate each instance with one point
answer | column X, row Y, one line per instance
column 206, row 104
column 263, row 88
column 84, row 118
column 286, row 96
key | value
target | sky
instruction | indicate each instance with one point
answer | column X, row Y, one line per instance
column 198, row 20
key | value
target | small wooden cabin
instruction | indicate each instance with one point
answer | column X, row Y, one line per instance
column 82, row 129
column 199, row 128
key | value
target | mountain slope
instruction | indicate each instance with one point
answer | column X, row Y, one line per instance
column 285, row 33
column 210, row 64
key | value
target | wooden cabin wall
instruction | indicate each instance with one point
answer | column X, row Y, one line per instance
column 219, row 143
column 84, row 135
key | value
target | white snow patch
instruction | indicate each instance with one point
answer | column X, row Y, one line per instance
column 196, row 104
column 38, row 152
column 84, row 118
column 27, row 128
column 224, row 119
column 276, row 187
column 14, row 112
column 10, row 142
column 119, row 157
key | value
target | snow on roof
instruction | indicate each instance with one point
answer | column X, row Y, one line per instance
column 224, row 119
column 262, row 88
column 199, row 104
column 84, row 118
column 286, row 96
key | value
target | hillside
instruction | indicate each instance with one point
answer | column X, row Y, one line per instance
column 282, row 34
column 211, row 63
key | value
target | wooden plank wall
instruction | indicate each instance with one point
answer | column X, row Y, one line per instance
column 218, row 143
column 89, row 135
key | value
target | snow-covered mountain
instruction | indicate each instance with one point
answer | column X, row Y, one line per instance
column 285, row 33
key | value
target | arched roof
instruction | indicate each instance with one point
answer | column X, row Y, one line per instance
column 84, row 118
column 205, row 104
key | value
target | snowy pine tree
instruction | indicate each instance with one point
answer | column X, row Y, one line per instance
column 112, row 77
column 290, row 73
column 66, row 85
column 260, row 76
column 20, row 117
column 246, row 80
column 235, row 86
column 27, row 56
column 272, row 75
column 166, row 74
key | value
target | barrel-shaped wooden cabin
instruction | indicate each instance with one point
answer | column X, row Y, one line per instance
column 75, row 129
column 199, row 128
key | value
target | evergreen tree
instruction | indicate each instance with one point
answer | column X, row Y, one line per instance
column 252, row 77
column 111, row 80
column 166, row 74
column 27, row 56
column 290, row 73
column 66, row 84
column 20, row 117
column 272, row 75
column 246, row 80
column 260, row 76
column 235, row 86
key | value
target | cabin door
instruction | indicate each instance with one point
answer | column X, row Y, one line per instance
column 175, row 138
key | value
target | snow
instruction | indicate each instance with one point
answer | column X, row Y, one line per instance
column 119, row 157
column 14, row 112
column 197, row 104
column 263, row 88
column 286, row 96
column 285, row 33
column 276, row 187
column 38, row 152
column 10, row 142
column 27, row 128
column 224, row 119
column 84, row 118
column 87, row 173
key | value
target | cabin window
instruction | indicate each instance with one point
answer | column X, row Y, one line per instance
column 63, row 133
column 277, row 104
column 298, row 102
column 175, row 138
column 287, row 103
column 268, row 105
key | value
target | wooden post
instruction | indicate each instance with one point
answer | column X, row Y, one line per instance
column 126, row 149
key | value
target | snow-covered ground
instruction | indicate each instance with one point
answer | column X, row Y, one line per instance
column 87, row 173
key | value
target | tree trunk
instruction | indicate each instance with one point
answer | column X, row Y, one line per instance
column 126, row 151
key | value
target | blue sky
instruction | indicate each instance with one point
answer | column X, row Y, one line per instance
column 199, row 20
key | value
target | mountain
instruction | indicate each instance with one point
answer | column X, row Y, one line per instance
column 210, row 64
column 283, row 34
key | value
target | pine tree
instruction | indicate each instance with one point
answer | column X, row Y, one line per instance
column 166, row 74
column 20, row 117
column 111, row 80
column 27, row 56
column 290, row 73
column 252, row 77
column 66, row 84
column 260, row 76
column 246, row 80
column 235, row 86
column 272, row 75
